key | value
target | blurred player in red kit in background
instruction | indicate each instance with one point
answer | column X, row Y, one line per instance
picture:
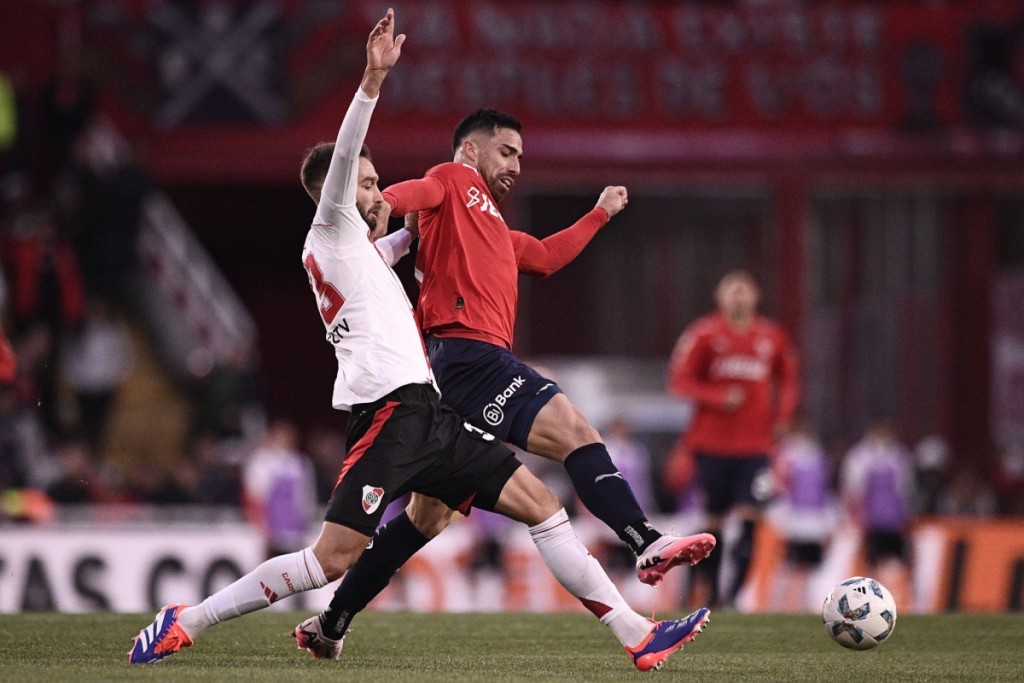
column 741, row 372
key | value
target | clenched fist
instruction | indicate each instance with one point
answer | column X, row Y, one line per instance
column 613, row 199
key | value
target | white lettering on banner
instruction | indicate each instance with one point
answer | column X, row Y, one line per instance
column 128, row 570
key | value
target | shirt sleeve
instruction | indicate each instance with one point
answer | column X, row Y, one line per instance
column 688, row 370
column 339, row 188
column 414, row 195
column 394, row 246
column 551, row 254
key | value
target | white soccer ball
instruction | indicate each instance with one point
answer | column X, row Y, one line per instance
column 859, row 613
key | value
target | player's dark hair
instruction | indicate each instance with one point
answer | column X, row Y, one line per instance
column 486, row 121
column 317, row 161
column 739, row 272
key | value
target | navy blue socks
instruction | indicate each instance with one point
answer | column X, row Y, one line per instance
column 392, row 545
column 602, row 489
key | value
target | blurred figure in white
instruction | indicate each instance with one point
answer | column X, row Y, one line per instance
column 804, row 513
column 95, row 360
column 279, row 484
column 877, row 484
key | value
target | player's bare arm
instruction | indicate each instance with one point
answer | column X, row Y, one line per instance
column 383, row 49
column 613, row 199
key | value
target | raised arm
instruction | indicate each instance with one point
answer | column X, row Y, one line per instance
column 382, row 52
column 547, row 256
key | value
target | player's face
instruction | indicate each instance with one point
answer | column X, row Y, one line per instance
column 497, row 160
column 368, row 197
column 737, row 296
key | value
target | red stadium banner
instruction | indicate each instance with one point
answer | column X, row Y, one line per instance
column 228, row 88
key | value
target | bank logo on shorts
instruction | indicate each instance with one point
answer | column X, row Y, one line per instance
column 494, row 412
column 372, row 495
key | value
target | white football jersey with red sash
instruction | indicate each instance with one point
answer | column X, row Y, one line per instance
column 366, row 312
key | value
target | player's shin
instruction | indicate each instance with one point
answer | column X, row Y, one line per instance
column 608, row 496
column 278, row 577
column 582, row 575
column 392, row 545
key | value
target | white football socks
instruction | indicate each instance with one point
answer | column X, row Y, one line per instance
column 582, row 575
column 277, row 578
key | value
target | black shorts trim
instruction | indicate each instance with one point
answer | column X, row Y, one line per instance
column 487, row 497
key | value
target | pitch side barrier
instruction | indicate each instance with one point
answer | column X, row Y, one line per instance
column 956, row 565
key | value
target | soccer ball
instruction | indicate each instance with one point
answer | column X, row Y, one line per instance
column 859, row 613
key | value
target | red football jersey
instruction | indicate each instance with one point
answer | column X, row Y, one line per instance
column 469, row 261
column 709, row 358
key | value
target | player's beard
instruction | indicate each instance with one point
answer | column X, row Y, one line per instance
column 369, row 218
column 497, row 189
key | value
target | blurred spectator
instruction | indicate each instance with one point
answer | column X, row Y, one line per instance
column 227, row 400
column 280, row 489
column 1009, row 479
column 326, row 447
column 68, row 105
column 804, row 512
column 877, row 484
column 100, row 202
column 13, row 469
column 14, row 162
column 80, row 480
column 42, row 268
column 968, row 494
column 35, row 383
column 95, row 359
column 931, row 460
column 219, row 475
column 741, row 373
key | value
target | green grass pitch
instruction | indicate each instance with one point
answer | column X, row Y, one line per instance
column 388, row 647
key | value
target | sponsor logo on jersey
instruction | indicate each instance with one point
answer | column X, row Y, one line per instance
column 494, row 412
column 740, row 367
column 372, row 496
column 337, row 332
column 480, row 199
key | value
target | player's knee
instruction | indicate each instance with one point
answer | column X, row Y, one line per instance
column 335, row 560
column 429, row 516
column 569, row 429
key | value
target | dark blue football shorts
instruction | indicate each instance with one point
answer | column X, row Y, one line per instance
column 489, row 387
column 727, row 481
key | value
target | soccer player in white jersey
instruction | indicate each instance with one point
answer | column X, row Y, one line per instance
column 400, row 437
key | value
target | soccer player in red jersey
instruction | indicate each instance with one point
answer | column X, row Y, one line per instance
column 469, row 262
column 741, row 372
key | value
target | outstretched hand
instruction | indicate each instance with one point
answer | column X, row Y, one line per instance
column 383, row 48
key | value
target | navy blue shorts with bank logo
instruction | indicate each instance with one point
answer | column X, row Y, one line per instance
column 409, row 442
column 489, row 387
